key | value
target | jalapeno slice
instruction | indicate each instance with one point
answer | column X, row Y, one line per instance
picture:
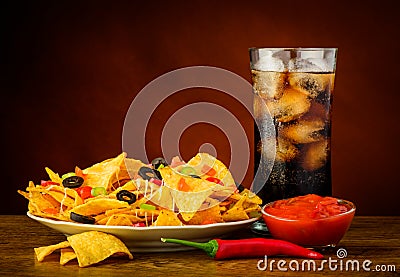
column 187, row 170
column 126, row 196
column 66, row 175
column 82, row 218
column 149, row 207
column 73, row 182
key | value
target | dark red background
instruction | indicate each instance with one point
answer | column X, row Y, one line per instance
column 70, row 70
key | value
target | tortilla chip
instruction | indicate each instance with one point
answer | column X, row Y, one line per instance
column 163, row 198
column 237, row 212
column 160, row 195
column 62, row 198
column 38, row 203
column 92, row 247
column 105, row 173
column 44, row 251
column 67, row 254
column 130, row 168
column 61, row 217
column 119, row 220
column 252, row 197
column 252, row 208
column 130, row 186
column 171, row 178
column 98, row 206
column 53, row 197
column 187, row 216
column 190, row 201
column 130, row 215
column 210, row 215
column 103, row 220
column 54, row 177
column 204, row 159
column 167, row 218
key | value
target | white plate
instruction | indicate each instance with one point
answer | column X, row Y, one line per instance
column 147, row 239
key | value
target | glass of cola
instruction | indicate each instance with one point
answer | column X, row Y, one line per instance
column 294, row 87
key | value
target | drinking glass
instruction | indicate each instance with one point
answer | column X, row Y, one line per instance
column 293, row 86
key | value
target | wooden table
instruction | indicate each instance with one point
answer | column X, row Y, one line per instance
column 370, row 238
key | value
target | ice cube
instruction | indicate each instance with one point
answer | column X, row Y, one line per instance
column 315, row 155
column 310, row 83
column 317, row 111
column 304, row 131
column 285, row 150
column 307, row 65
column 283, row 55
column 268, row 84
column 290, row 106
column 266, row 62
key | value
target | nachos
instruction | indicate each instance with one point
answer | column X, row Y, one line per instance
column 126, row 192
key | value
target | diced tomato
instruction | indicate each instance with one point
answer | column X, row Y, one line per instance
column 80, row 173
column 48, row 183
column 84, row 192
column 208, row 170
column 182, row 186
column 139, row 224
column 215, row 180
column 158, row 182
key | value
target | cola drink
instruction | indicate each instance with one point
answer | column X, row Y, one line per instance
column 295, row 87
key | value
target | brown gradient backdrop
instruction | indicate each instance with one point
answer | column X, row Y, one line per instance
column 71, row 70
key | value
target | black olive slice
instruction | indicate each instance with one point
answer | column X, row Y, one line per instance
column 195, row 176
column 240, row 187
column 158, row 174
column 126, row 196
column 73, row 182
column 157, row 162
column 82, row 218
column 147, row 173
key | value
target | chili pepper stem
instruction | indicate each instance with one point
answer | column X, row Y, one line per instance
column 209, row 247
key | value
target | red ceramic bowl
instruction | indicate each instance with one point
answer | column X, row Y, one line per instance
column 318, row 233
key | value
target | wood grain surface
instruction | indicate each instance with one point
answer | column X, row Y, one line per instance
column 369, row 238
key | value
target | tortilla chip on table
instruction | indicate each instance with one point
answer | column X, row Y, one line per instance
column 88, row 248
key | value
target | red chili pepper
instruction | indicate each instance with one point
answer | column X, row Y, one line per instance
column 244, row 248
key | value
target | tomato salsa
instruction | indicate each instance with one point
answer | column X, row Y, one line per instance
column 309, row 220
column 309, row 206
